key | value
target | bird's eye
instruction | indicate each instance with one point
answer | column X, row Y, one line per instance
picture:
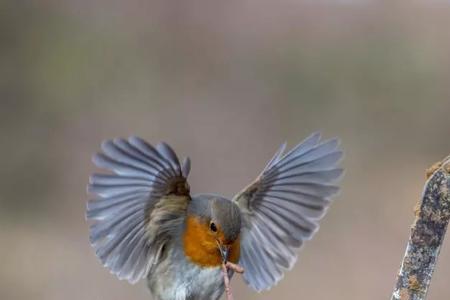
column 213, row 227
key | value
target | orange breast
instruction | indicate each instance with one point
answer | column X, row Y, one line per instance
column 200, row 244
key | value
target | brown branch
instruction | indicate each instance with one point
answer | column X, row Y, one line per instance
column 427, row 235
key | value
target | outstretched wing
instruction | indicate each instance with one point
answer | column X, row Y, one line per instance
column 282, row 207
column 136, row 207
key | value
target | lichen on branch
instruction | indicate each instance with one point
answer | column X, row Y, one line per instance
column 427, row 235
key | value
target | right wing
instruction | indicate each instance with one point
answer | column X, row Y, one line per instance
column 282, row 207
column 137, row 206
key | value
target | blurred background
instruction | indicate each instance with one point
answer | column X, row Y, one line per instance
column 225, row 83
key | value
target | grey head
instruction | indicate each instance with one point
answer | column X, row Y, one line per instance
column 219, row 212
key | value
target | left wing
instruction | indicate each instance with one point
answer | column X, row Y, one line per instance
column 282, row 207
column 136, row 207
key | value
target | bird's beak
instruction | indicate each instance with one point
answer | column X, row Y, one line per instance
column 224, row 251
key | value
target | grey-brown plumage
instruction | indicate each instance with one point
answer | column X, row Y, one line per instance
column 179, row 278
column 140, row 213
column 220, row 210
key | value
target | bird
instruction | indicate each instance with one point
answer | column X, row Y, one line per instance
column 145, row 224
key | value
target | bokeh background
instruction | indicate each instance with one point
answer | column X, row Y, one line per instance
column 225, row 83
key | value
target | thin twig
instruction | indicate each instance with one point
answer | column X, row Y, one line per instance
column 226, row 279
column 235, row 267
column 427, row 235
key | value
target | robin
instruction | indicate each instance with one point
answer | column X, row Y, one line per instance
column 146, row 224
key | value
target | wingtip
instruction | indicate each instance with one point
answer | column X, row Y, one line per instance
column 97, row 158
column 316, row 134
column 106, row 145
column 340, row 172
column 133, row 138
column 186, row 167
column 283, row 147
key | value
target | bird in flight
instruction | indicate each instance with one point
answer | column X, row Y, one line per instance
column 146, row 224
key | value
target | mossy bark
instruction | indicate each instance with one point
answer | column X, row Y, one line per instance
column 427, row 235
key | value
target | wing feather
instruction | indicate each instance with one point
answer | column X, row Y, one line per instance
column 282, row 207
column 186, row 167
column 125, row 236
column 153, row 155
column 170, row 156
